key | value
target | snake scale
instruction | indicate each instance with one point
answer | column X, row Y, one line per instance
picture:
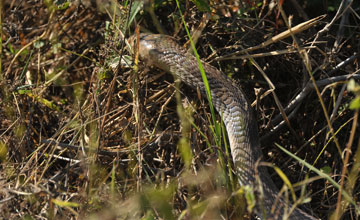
column 163, row 52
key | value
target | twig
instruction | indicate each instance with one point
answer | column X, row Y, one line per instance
column 344, row 170
column 277, row 101
column 295, row 103
column 308, row 87
column 272, row 53
column 300, row 10
column 74, row 147
column 294, row 30
column 327, row 26
column 344, row 20
column 338, row 102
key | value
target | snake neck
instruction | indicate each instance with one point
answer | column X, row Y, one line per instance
column 164, row 53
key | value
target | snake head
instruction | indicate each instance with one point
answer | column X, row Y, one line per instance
column 156, row 49
column 141, row 45
column 144, row 45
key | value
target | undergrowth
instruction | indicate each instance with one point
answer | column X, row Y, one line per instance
column 87, row 131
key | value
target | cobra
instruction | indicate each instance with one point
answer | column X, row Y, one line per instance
column 164, row 52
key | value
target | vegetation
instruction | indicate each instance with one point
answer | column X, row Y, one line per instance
column 88, row 132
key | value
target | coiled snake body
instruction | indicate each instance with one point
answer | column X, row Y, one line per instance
column 164, row 53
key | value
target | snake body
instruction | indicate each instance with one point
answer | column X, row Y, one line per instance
column 163, row 52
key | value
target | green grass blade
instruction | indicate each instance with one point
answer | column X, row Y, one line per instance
column 324, row 175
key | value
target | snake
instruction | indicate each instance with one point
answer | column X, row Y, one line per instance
column 165, row 53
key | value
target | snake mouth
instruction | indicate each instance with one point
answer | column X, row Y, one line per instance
column 143, row 44
column 150, row 49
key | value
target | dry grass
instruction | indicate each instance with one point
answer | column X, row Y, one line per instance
column 82, row 137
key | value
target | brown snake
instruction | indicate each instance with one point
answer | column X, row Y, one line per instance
column 164, row 53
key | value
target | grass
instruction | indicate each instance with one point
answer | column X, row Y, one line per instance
column 85, row 136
